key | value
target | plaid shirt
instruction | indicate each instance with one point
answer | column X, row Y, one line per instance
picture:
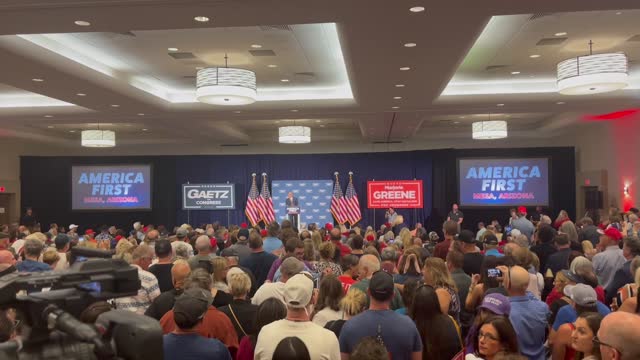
column 148, row 291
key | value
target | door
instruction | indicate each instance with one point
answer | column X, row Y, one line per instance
column 5, row 208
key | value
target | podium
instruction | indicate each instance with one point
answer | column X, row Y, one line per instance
column 293, row 214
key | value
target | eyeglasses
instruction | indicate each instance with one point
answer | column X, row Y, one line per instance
column 487, row 336
column 597, row 342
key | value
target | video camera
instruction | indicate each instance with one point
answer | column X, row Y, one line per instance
column 53, row 301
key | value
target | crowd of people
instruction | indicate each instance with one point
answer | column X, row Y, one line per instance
column 531, row 288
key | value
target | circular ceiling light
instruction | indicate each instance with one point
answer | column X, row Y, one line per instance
column 416, row 9
column 98, row 138
column 226, row 86
column 201, row 19
column 82, row 23
column 593, row 74
column 294, row 134
column 487, row 130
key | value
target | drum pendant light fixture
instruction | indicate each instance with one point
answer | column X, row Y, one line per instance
column 226, row 86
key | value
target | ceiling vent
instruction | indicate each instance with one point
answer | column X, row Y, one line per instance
column 233, row 145
column 305, row 76
column 551, row 41
column 181, row 55
column 495, row 67
column 634, row 38
column 537, row 16
column 388, row 142
column 276, row 28
column 262, row 52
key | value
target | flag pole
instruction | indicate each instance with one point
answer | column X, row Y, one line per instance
column 229, row 213
column 374, row 213
column 415, row 212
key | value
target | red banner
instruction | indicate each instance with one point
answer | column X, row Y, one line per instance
column 402, row 194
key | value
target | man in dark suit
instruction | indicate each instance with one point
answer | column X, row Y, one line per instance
column 290, row 202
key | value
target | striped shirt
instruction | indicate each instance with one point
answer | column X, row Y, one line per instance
column 149, row 290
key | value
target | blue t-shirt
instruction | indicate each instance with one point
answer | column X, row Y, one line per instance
column 399, row 333
column 193, row 347
column 271, row 243
column 32, row 266
column 567, row 314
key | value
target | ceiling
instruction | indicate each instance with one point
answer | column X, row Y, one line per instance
column 333, row 65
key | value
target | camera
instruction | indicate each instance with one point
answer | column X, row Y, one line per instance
column 49, row 304
column 494, row 273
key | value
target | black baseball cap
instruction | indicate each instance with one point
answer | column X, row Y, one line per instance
column 61, row 240
column 243, row 233
column 465, row 236
column 381, row 286
column 491, row 239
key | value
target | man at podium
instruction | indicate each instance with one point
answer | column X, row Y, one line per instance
column 293, row 209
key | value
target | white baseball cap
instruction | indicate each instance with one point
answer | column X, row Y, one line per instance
column 298, row 290
column 73, row 226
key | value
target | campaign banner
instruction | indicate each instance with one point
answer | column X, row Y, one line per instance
column 400, row 194
column 313, row 197
column 208, row 196
column 504, row 182
column 117, row 187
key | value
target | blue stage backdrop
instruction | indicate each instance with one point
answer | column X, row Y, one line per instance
column 314, row 199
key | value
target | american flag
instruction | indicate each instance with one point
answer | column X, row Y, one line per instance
column 266, row 202
column 337, row 204
column 253, row 210
column 351, row 203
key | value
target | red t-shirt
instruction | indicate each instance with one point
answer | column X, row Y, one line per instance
column 346, row 281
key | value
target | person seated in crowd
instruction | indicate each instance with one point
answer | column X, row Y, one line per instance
column 398, row 333
column 269, row 311
column 367, row 266
column 32, row 251
column 440, row 333
column 149, row 290
column 163, row 303
column 327, row 307
column 215, row 324
column 290, row 266
column 162, row 268
column 185, row 342
column 298, row 297
column 240, row 311
column 496, row 338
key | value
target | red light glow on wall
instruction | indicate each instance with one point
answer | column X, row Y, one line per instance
column 616, row 115
column 2, row 189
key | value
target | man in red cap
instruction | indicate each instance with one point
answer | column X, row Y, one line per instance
column 523, row 224
column 611, row 258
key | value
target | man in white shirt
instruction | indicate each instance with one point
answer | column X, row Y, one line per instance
column 181, row 238
column 290, row 266
column 299, row 297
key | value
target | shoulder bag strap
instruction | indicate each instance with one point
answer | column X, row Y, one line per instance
column 236, row 319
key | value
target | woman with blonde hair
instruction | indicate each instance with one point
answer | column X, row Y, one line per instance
column 220, row 268
column 352, row 304
column 405, row 238
column 569, row 228
column 436, row 274
column 316, row 237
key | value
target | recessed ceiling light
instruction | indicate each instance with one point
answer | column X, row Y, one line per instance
column 619, row 13
column 256, row 46
column 560, row 33
column 145, row 129
column 237, row 111
column 140, row 114
column 201, row 19
column 48, row 116
column 115, row 105
column 417, row 9
column 318, row 121
column 50, row 127
column 534, row 56
column 456, row 122
column 72, row 131
column 397, row 97
column 395, row 107
column 82, row 23
column 81, row 94
column 284, row 80
column 405, row 68
column 172, row 49
column 321, row 125
column 410, row 45
column 515, row 72
column 37, row 80
column 560, row 103
column 499, row 104
column 272, row 65
column 399, row 85
column 294, row 110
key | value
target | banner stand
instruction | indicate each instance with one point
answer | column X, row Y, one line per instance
column 228, row 214
column 415, row 213
column 188, row 213
column 374, row 218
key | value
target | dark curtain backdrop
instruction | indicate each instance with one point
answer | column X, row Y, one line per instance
column 46, row 182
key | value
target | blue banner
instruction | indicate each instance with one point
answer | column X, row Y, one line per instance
column 312, row 196
column 116, row 187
